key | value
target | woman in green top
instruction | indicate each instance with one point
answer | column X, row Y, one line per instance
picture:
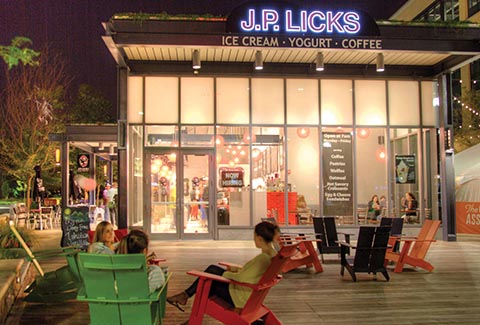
column 251, row 272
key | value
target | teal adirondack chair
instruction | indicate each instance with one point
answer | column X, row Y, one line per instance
column 117, row 292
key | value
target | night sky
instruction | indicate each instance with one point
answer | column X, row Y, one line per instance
column 74, row 27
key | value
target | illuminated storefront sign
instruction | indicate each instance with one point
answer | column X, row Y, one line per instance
column 267, row 17
column 231, row 177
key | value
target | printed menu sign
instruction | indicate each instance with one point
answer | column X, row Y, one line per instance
column 405, row 169
column 337, row 174
column 75, row 227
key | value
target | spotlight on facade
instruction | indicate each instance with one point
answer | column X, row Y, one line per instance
column 196, row 63
column 319, row 62
column 380, row 63
column 258, row 60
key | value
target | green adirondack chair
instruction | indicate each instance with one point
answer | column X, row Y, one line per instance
column 117, row 292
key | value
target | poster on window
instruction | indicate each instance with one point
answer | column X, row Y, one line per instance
column 405, row 169
column 337, row 174
column 83, row 163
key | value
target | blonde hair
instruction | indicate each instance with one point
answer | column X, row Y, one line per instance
column 100, row 231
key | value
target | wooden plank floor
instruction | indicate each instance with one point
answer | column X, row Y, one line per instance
column 449, row 295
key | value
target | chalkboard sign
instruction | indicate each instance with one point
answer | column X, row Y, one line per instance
column 75, row 227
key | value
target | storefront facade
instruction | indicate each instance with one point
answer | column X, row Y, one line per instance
column 209, row 144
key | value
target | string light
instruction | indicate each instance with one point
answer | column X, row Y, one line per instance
column 474, row 111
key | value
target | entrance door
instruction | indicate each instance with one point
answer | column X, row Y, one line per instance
column 179, row 191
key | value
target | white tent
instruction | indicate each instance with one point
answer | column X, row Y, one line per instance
column 467, row 175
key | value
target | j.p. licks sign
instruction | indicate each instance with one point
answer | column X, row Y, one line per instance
column 280, row 24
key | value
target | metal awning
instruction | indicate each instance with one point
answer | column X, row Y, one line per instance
column 159, row 46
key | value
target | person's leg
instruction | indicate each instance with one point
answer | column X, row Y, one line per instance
column 182, row 297
column 212, row 269
column 220, row 289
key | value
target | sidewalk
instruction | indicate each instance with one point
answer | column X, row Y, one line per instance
column 446, row 296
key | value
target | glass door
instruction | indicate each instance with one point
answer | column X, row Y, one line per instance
column 179, row 189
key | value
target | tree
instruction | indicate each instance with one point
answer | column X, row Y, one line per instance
column 18, row 52
column 32, row 107
column 90, row 107
column 467, row 120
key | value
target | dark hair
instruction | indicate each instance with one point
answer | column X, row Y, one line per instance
column 411, row 195
column 133, row 243
column 266, row 230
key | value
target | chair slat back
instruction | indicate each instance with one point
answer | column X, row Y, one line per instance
column 325, row 226
column 130, row 274
column 364, row 247
column 379, row 248
column 424, row 238
column 269, row 278
column 396, row 225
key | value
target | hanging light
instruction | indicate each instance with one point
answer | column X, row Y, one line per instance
column 319, row 62
column 303, row 132
column 380, row 63
column 57, row 156
column 363, row 133
column 196, row 63
column 380, row 154
column 258, row 60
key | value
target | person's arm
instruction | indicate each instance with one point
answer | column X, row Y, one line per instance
column 156, row 278
column 253, row 269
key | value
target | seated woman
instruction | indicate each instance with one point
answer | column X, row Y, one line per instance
column 251, row 272
column 136, row 242
column 103, row 240
column 410, row 206
column 374, row 208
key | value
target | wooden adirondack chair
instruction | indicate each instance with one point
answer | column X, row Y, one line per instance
column 117, row 292
column 253, row 310
column 306, row 254
column 395, row 232
column 55, row 286
column 326, row 232
column 414, row 255
column 369, row 252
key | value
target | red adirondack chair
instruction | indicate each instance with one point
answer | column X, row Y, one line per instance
column 253, row 310
column 306, row 254
column 414, row 255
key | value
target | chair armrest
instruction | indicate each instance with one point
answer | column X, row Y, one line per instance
column 228, row 264
column 220, row 278
column 342, row 243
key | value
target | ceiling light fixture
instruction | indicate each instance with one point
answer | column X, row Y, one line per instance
column 380, row 63
column 258, row 60
column 319, row 62
column 196, row 63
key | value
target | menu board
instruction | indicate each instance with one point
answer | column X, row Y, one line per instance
column 75, row 227
column 405, row 169
column 337, row 174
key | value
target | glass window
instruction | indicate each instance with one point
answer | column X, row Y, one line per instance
column 196, row 100
column 161, row 100
column 302, row 101
column 403, row 101
column 371, row 175
column 303, row 180
column 370, row 102
column 267, row 101
column 161, row 136
column 233, row 96
column 199, row 136
column 233, row 175
column 135, row 99
column 268, row 174
column 430, row 104
column 405, row 173
column 135, row 188
column 337, row 105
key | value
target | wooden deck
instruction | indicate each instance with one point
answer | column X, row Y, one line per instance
column 448, row 295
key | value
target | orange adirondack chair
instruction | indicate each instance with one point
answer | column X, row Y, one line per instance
column 253, row 310
column 306, row 254
column 414, row 255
